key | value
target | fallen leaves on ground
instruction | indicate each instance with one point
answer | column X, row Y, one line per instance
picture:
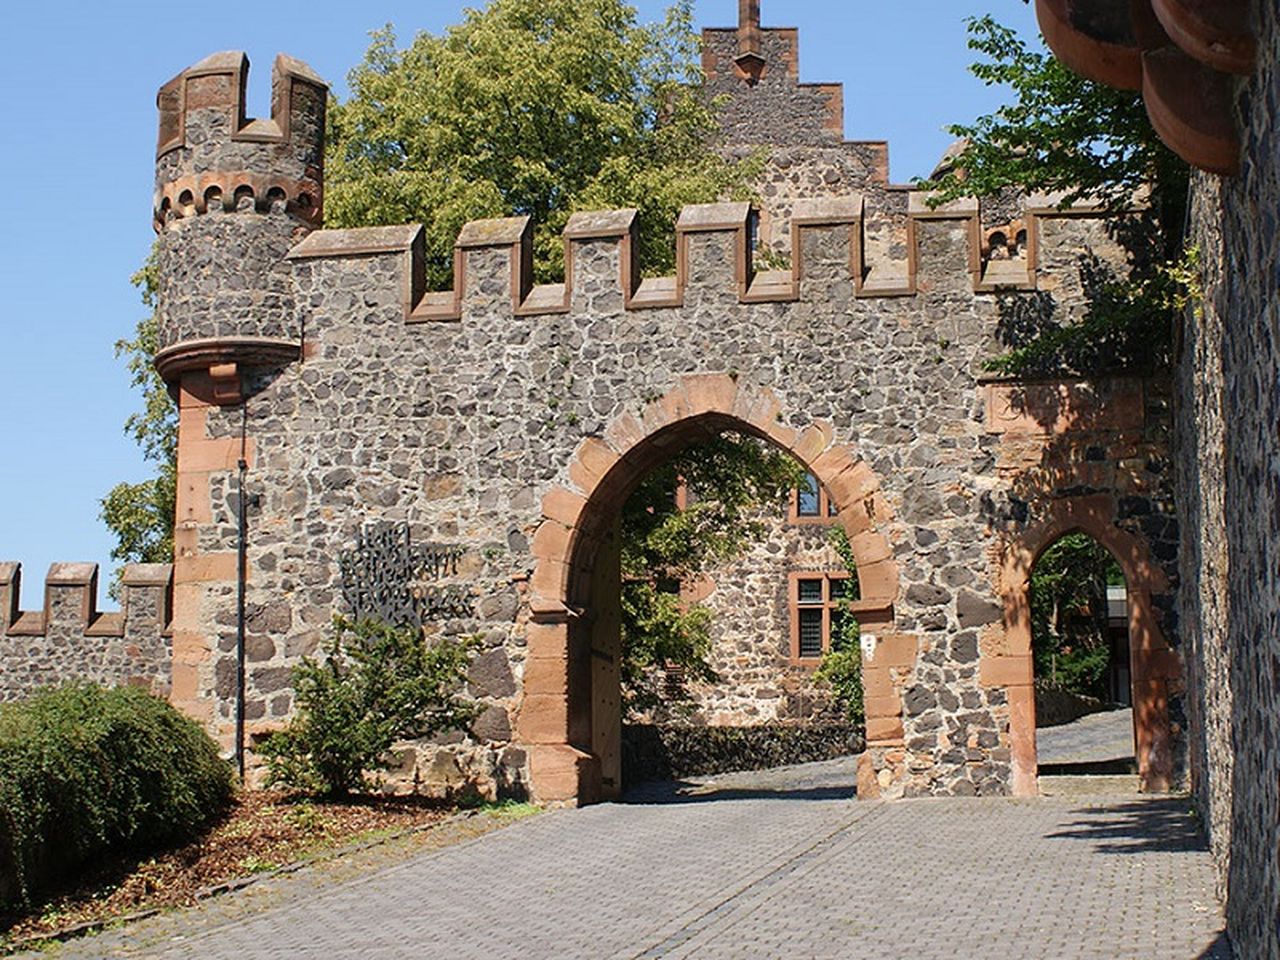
column 260, row 832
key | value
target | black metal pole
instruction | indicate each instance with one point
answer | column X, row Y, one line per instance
column 241, row 556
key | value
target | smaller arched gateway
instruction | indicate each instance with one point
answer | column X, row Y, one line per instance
column 571, row 712
column 1153, row 666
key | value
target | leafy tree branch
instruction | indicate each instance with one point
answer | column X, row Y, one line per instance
column 140, row 515
column 1064, row 133
column 727, row 481
column 530, row 107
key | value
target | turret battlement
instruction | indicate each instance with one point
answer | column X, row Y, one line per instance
column 211, row 157
column 232, row 196
column 714, row 253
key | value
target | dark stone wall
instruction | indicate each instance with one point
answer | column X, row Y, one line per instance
column 672, row 751
column 223, row 275
column 70, row 640
column 800, row 126
column 1229, row 454
column 459, row 429
column 776, row 110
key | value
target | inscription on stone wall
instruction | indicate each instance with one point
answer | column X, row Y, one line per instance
column 389, row 578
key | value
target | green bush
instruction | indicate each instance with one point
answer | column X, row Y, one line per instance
column 378, row 685
column 86, row 771
column 841, row 667
column 1069, row 615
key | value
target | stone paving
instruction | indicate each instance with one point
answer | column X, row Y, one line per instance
column 1095, row 738
column 781, row 864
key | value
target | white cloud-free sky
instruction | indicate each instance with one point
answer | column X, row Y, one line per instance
column 80, row 130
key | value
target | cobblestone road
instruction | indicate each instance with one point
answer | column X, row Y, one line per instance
column 776, row 869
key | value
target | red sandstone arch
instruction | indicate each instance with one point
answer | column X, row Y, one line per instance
column 566, row 678
column 1152, row 663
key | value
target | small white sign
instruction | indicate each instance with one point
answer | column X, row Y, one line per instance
column 868, row 646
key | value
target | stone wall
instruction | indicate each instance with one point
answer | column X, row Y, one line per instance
column 758, row 679
column 1204, row 559
column 506, row 420
column 777, row 109
column 1229, row 383
column 460, row 429
column 751, row 633
column 70, row 640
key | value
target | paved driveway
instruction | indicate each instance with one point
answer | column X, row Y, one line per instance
column 753, row 869
column 1092, row 739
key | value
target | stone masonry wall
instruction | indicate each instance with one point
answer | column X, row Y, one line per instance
column 759, row 682
column 1229, row 406
column 70, row 640
column 479, row 417
column 1204, row 559
column 777, row 109
column 752, row 632
column 460, row 428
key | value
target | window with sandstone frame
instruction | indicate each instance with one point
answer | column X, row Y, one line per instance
column 810, row 503
column 819, row 602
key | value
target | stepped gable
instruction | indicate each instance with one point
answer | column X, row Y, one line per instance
column 753, row 74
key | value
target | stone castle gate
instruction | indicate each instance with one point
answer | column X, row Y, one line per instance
column 321, row 384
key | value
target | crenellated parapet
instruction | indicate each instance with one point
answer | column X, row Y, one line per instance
column 211, row 157
column 323, row 385
column 70, row 639
column 831, row 239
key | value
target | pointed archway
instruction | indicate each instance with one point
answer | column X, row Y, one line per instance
column 570, row 716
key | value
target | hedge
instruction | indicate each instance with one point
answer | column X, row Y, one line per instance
column 672, row 751
column 86, row 771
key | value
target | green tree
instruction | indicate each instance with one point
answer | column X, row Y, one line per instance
column 1069, row 622
column 378, row 684
column 538, row 107
column 726, row 480
column 141, row 515
column 1062, row 132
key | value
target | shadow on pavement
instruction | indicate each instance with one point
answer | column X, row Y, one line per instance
column 1120, row 766
column 1220, row 949
column 1137, row 826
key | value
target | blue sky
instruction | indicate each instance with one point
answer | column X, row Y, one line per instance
column 80, row 132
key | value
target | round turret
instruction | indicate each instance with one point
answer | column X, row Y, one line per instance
column 233, row 195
